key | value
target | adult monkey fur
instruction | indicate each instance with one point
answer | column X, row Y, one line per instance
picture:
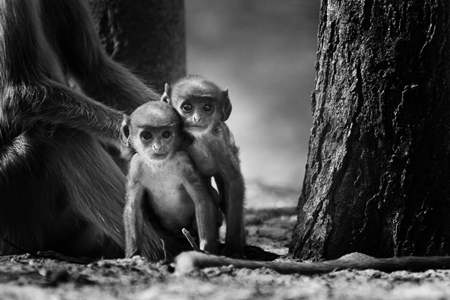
column 187, row 262
column 164, row 188
column 59, row 189
column 204, row 108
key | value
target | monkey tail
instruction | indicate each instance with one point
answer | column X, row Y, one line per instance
column 104, row 204
column 99, row 200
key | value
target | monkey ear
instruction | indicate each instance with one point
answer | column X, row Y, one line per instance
column 165, row 95
column 226, row 105
column 125, row 131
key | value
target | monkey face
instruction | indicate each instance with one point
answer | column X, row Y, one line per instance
column 153, row 131
column 198, row 114
column 156, row 144
column 200, row 102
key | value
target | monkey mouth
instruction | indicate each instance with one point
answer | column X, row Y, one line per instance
column 159, row 156
column 197, row 127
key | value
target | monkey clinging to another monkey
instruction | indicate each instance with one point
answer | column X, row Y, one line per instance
column 204, row 108
column 164, row 189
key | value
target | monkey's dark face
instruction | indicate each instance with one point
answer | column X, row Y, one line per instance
column 156, row 143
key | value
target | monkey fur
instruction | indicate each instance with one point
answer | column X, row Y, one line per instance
column 164, row 189
column 204, row 108
column 62, row 97
column 187, row 262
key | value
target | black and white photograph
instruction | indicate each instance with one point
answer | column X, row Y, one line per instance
column 224, row 149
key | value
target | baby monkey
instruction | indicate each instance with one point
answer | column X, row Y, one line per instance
column 204, row 108
column 164, row 190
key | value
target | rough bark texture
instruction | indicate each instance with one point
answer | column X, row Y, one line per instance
column 147, row 36
column 378, row 179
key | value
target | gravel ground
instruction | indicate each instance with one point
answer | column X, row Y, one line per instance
column 27, row 277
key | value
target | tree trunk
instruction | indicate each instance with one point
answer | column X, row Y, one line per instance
column 377, row 179
column 147, row 36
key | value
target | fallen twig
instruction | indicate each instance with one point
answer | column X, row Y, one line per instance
column 190, row 239
column 189, row 261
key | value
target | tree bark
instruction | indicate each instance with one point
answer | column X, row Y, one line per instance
column 147, row 36
column 377, row 179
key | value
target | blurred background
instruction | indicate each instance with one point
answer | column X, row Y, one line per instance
column 264, row 51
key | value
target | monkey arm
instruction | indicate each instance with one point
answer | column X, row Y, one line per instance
column 49, row 52
column 125, row 94
column 55, row 104
column 141, row 238
column 133, row 216
column 97, row 74
column 205, row 209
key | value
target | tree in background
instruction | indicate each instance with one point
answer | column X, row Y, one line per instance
column 147, row 36
column 377, row 179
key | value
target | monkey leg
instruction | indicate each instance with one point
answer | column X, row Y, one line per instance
column 234, row 192
column 205, row 215
column 216, row 199
column 53, row 197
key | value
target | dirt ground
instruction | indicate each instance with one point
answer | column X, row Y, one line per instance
column 26, row 277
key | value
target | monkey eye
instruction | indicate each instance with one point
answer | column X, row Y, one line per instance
column 166, row 134
column 145, row 135
column 208, row 107
column 186, row 107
